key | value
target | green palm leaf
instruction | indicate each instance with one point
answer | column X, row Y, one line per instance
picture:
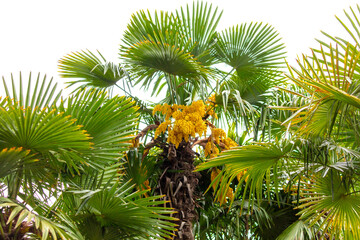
column 29, row 120
column 88, row 69
column 250, row 49
column 299, row 230
column 20, row 214
column 334, row 89
column 109, row 123
column 199, row 24
column 145, row 26
column 43, row 94
column 155, row 48
column 102, row 212
column 11, row 159
column 254, row 162
column 328, row 203
column 149, row 59
column 52, row 137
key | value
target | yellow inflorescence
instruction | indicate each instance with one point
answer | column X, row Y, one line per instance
column 182, row 122
column 188, row 121
column 218, row 135
column 167, row 110
column 211, row 150
column 229, row 143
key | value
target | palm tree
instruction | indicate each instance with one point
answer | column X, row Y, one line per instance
column 314, row 152
column 182, row 55
column 60, row 174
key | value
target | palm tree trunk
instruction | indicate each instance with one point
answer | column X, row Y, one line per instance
column 178, row 183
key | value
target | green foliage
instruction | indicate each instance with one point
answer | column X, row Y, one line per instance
column 58, row 149
column 294, row 175
column 314, row 145
column 89, row 70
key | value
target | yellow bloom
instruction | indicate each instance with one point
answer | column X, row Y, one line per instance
column 208, row 148
column 187, row 121
column 229, row 143
column 162, row 128
column 218, row 134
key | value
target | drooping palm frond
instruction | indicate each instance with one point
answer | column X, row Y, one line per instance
column 90, row 70
column 299, row 230
column 281, row 215
column 231, row 107
column 23, row 220
column 225, row 222
column 116, row 212
column 254, row 165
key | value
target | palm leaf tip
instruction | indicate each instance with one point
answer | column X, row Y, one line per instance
column 89, row 69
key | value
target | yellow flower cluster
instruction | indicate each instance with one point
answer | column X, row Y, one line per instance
column 188, row 121
column 167, row 110
column 211, row 149
column 162, row 128
column 218, row 135
column 229, row 143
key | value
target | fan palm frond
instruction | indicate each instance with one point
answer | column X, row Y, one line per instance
column 109, row 122
column 149, row 58
column 250, row 49
column 117, row 208
column 90, row 70
column 299, row 230
column 145, row 26
column 43, row 94
column 331, row 205
column 334, row 90
column 156, row 48
column 199, row 24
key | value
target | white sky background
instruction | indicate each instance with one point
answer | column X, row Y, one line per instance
column 35, row 34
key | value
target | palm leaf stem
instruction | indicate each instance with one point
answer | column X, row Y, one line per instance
column 218, row 83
